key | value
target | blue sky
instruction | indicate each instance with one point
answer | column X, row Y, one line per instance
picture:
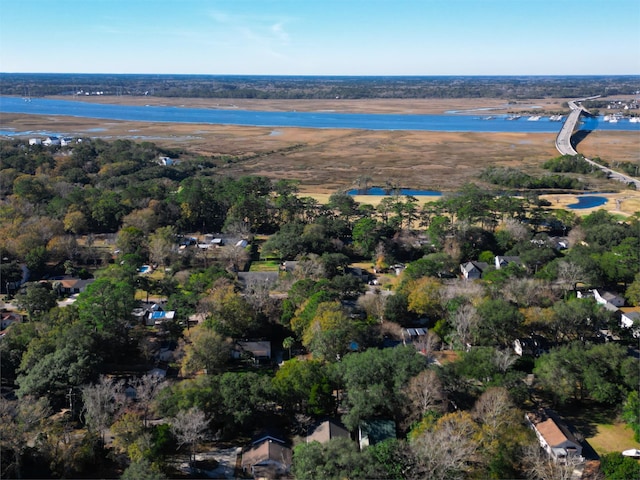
column 322, row 37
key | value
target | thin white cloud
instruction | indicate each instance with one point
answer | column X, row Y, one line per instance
column 279, row 32
column 220, row 17
column 252, row 27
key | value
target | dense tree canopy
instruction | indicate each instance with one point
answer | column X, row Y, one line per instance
column 99, row 210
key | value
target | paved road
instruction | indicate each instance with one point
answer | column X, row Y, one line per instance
column 563, row 142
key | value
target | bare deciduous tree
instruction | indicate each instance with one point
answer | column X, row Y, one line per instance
column 425, row 393
column 472, row 291
column 495, row 409
column 362, row 182
column 528, row 292
column 503, row 359
column 147, row 388
column 576, row 236
column 518, row 230
column 449, row 450
column 569, row 274
column 427, row 344
column 373, row 303
column 540, row 466
column 258, row 295
column 19, row 423
column 101, row 402
column 234, row 256
column 465, row 321
column 309, row 267
column 240, row 228
column 190, row 427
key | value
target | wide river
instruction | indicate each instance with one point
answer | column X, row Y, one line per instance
column 454, row 122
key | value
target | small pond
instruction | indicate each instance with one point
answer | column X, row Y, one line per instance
column 588, row 201
column 390, row 191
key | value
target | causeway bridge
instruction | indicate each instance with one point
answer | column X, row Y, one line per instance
column 564, row 146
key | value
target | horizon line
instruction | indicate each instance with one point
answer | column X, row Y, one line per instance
column 335, row 75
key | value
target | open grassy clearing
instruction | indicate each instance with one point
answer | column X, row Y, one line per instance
column 601, row 428
column 613, row 438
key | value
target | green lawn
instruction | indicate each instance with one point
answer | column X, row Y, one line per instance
column 265, row 266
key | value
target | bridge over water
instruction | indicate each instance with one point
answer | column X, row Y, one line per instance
column 564, row 146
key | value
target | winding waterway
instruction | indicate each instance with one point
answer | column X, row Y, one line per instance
column 370, row 121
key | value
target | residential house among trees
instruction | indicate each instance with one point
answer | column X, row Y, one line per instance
column 268, row 457
column 555, row 437
column 473, row 270
column 608, row 297
column 502, row 261
column 71, row 285
column 260, row 351
column 371, row 432
column 327, row 430
column 630, row 318
column 534, row 345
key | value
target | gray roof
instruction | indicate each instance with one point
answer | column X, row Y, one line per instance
column 508, row 259
column 469, row 266
column 248, row 277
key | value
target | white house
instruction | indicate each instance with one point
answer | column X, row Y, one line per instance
column 554, row 437
column 630, row 318
column 49, row 141
column 167, row 161
column 608, row 297
column 35, row 141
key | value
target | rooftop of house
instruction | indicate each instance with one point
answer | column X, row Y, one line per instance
column 260, row 348
column 375, row 431
column 326, row 431
column 267, row 449
column 74, row 282
column 550, row 428
column 473, row 264
column 633, row 313
column 507, row 259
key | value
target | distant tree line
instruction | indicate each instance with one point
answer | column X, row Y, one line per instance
column 303, row 87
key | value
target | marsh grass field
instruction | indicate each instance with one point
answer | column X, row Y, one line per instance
column 328, row 160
